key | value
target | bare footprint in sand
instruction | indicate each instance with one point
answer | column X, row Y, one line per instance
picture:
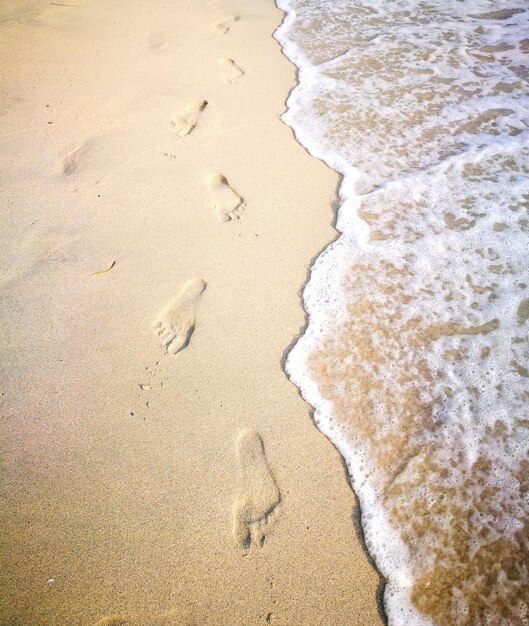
column 75, row 159
column 222, row 27
column 188, row 118
column 231, row 71
column 177, row 321
column 256, row 504
column 228, row 203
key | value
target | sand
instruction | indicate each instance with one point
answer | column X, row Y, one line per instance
column 159, row 221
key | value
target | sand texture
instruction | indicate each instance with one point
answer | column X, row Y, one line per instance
column 158, row 223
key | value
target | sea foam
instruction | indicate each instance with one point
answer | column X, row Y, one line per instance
column 416, row 355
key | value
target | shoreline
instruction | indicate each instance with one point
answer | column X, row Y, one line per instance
column 125, row 466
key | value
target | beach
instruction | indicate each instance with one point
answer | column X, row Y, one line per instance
column 159, row 223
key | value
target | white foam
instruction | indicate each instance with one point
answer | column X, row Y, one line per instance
column 422, row 109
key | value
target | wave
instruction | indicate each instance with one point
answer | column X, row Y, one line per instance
column 416, row 354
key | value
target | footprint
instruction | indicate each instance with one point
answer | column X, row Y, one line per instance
column 187, row 120
column 94, row 155
column 74, row 160
column 232, row 72
column 228, row 203
column 258, row 498
column 177, row 320
column 221, row 28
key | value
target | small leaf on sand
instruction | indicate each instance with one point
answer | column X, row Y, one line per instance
column 104, row 271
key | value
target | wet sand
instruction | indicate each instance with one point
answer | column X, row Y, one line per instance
column 159, row 221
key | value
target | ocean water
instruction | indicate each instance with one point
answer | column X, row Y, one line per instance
column 416, row 355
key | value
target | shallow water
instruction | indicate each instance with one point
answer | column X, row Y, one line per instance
column 416, row 356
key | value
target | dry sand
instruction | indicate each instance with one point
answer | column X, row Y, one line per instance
column 158, row 466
